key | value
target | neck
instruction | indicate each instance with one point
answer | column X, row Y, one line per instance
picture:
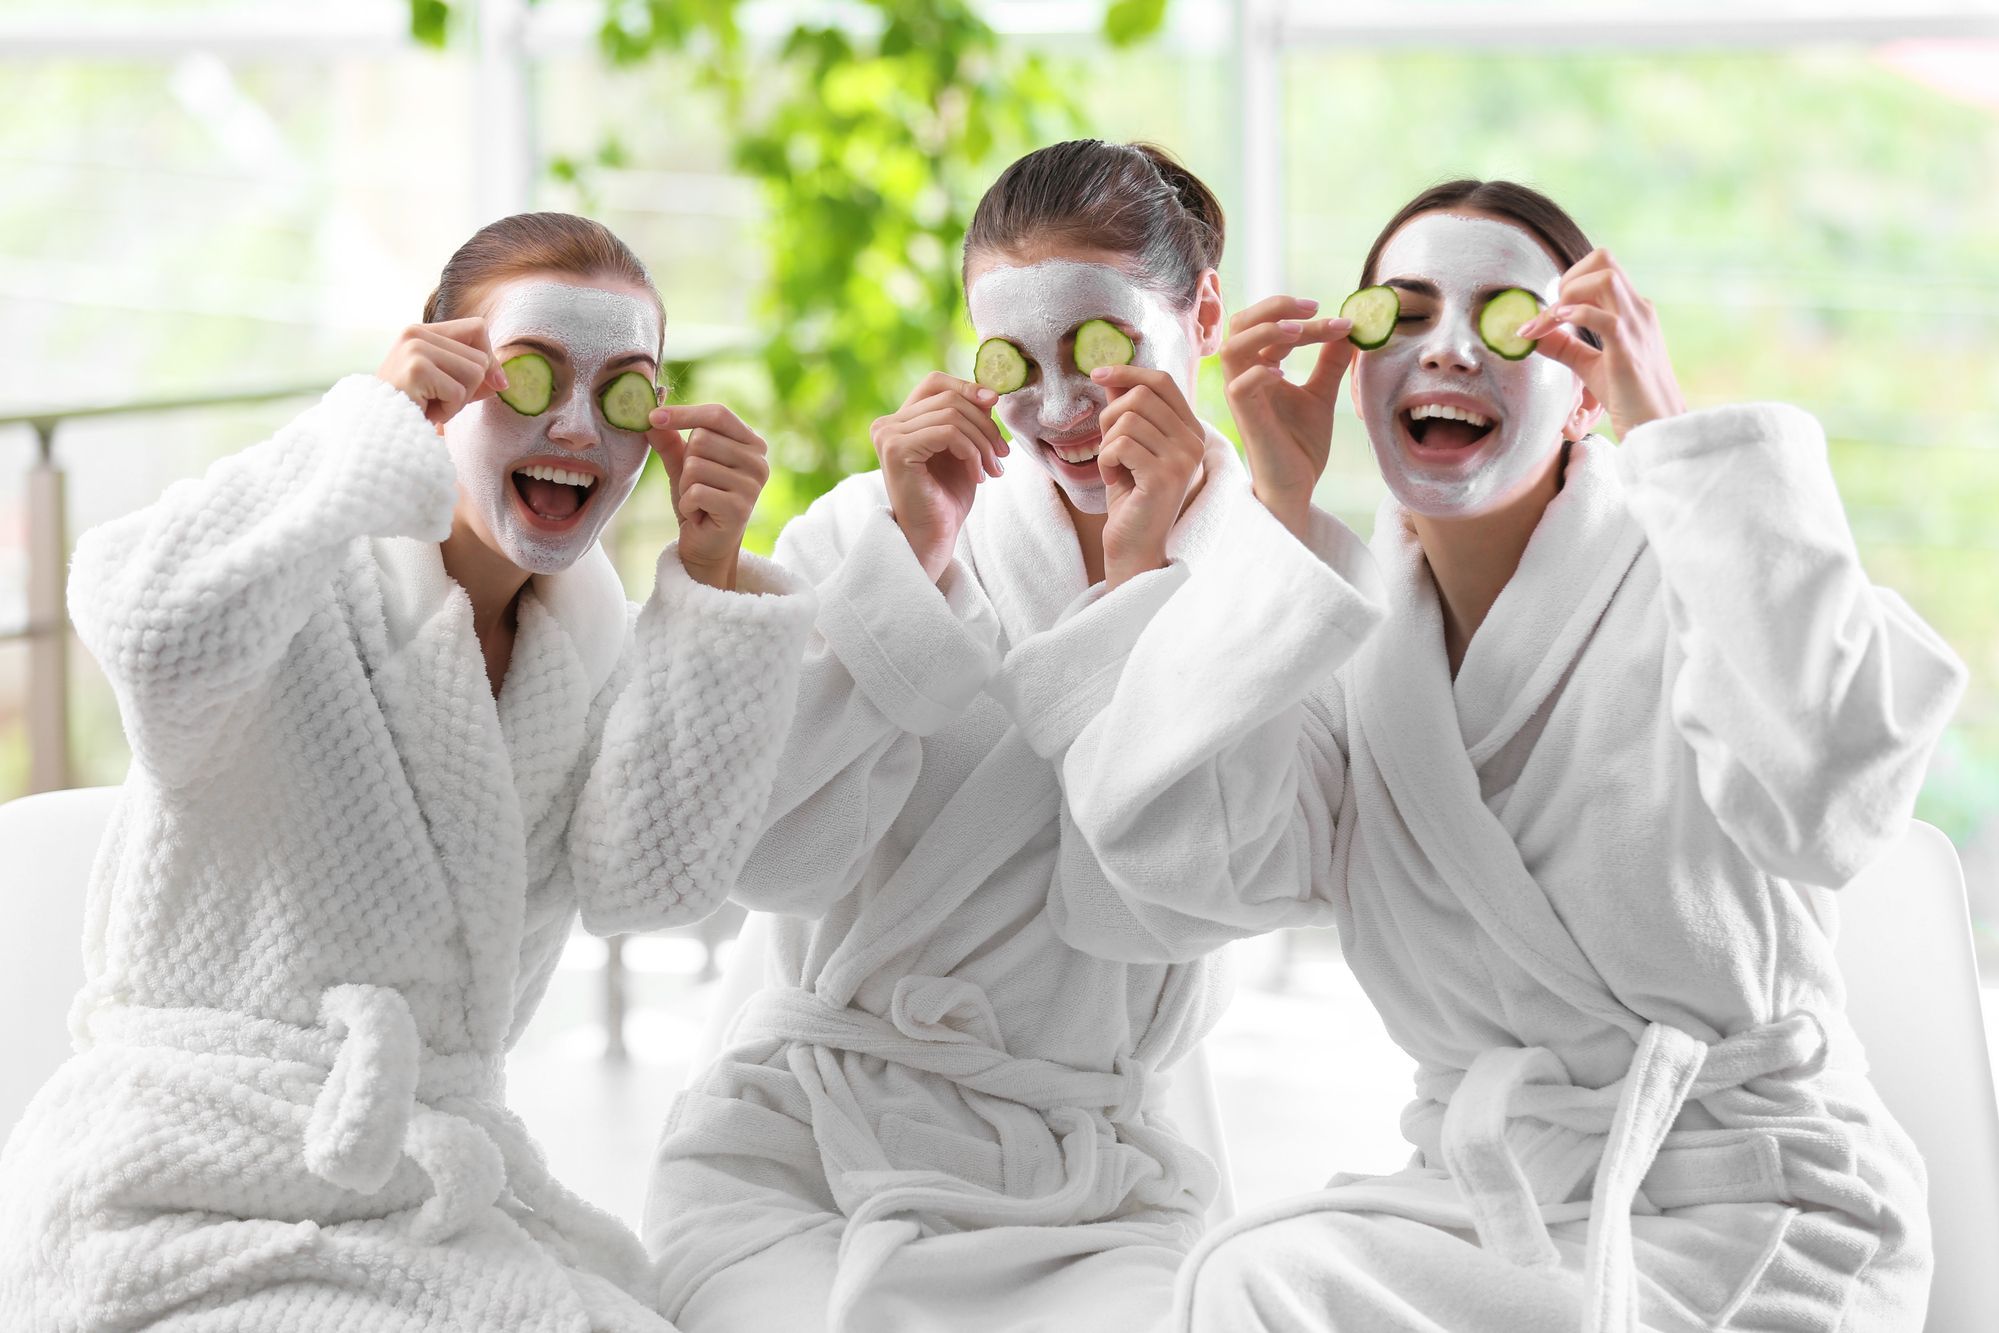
column 1089, row 535
column 492, row 581
column 1472, row 559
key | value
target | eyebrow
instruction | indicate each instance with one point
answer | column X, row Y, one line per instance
column 1424, row 287
column 551, row 350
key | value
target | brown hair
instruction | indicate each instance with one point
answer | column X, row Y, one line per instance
column 534, row 243
column 1135, row 199
column 1535, row 213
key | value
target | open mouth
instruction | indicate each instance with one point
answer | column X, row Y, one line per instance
column 1079, row 454
column 1445, row 427
column 553, row 495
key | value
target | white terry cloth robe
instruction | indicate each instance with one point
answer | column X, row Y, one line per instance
column 1583, row 883
column 938, row 1114
column 337, row 881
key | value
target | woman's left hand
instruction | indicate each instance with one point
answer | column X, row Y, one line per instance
column 1632, row 376
column 717, row 467
column 1152, row 448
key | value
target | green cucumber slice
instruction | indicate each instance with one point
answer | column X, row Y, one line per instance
column 628, row 401
column 999, row 366
column 1373, row 311
column 530, row 384
column 1504, row 314
column 1101, row 343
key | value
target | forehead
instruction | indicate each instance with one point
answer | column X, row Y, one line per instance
column 1459, row 252
column 588, row 320
column 1051, row 289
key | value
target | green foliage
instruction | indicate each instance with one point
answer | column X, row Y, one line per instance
column 429, row 21
column 1129, row 21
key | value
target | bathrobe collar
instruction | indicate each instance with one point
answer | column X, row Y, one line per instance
column 1426, row 738
column 484, row 773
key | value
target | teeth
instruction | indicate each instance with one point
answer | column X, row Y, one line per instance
column 543, row 472
column 1429, row 410
column 1081, row 455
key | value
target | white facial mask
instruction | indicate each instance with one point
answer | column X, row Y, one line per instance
column 1528, row 401
column 489, row 439
column 1038, row 308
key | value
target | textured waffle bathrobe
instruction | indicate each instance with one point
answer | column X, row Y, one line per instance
column 1584, row 882
column 939, row 1115
column 337, row 882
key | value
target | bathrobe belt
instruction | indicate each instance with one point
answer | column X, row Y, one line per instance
column 383, row 1097
column 1518, row 1137
column 943, row 1026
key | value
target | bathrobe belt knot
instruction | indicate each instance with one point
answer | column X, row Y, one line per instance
column 383, row 1096
column 943, row 1026
column 1518, row 1138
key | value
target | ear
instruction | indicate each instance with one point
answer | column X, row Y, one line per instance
column 1210, row 320
column 1583, row 418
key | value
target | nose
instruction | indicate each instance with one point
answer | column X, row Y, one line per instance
column 1451, row 346
column 1069, row 403
column 573, row 421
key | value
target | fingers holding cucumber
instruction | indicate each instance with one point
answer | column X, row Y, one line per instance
column 1630, row 373
column 443, row 366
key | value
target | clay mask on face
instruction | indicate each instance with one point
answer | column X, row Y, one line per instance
column 545, row 524
column 1038, row 308
column 1439, row 369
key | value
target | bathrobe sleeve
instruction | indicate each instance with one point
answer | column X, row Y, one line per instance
column 1203, row 783
column 1811, row 699
column 891, row 658
column 682, row 774
column 190, row 603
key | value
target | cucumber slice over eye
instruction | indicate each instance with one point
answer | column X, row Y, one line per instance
column 1504, row 314
column 1101, row 343
column 1373, row 311
column 999, row 366
column 628, row 401
column 530, row 384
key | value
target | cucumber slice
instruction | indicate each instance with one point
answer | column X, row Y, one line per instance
column 1101, row 343
column 999, row 366
column 628, row 401
column 530, row 384
column 1373, row 311
column 1502, row 315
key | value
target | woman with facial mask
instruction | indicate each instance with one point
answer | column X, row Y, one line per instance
column 939, row 1114
column 1574, row 773
column 393, row 724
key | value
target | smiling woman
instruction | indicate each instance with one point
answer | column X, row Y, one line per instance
column 395, row 727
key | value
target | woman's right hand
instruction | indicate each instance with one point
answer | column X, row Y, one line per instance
column 935, row 450
column 443, row 366
column 1287, row 428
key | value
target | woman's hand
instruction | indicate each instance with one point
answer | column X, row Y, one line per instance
column 935, row 450
column 1152, row 447
column 1287, row 429
column 443, row 366
column 717, row 467
column 1632, row 375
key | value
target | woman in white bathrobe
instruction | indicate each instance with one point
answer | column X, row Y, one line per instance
column 393, row 723
column 1573, row 761
column 939, row 1114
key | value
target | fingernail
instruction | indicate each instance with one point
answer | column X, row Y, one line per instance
column 1522, row 331
column 1309, row 303
column 1291, row 326
column 500, row 379
column 1101, row 373
column 985, row 395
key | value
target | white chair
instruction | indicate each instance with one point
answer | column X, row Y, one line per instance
column 47, row 843
column 1190, row 1091
column 1912, row 992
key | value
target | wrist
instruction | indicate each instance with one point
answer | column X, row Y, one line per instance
column 1289, row 505
column 716, row 573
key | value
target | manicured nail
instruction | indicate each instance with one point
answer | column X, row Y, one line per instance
column 985, row 395
column 1309, row 303
column 1290, row 327
column 1101, row 373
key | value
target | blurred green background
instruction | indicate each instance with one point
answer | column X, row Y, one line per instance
column 216, row 199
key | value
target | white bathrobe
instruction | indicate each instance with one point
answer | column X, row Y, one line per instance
column 939, row 1114
column 337, row 882
column 1584, row 883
